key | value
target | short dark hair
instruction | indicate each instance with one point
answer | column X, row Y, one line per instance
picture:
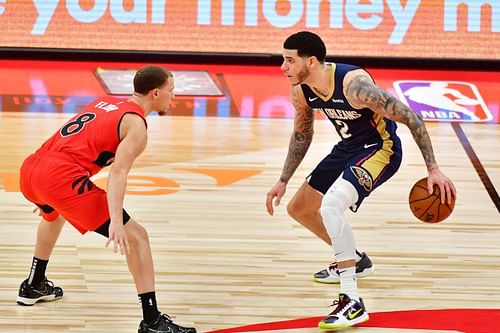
column 150, row 77
column 307, row 44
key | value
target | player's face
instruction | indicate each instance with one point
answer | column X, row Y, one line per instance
column 294, row 67
column 165, row 96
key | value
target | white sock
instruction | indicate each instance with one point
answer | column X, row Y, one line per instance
column 348, row 283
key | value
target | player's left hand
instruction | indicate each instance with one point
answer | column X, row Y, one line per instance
column 118, row 236
column 446, row 187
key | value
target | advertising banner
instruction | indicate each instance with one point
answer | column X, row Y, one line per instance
column 441, row 29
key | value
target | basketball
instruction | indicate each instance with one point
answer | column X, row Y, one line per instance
column 427, row 207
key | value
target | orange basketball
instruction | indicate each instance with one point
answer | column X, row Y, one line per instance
column 427, row 207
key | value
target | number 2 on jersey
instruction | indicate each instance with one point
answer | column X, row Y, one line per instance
column 342, row 129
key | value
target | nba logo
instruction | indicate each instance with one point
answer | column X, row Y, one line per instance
column 444, row 100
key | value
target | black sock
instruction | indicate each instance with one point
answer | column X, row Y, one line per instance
column 149, row 307
column 37, row 272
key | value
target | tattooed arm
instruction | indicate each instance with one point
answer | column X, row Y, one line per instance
column 299, row 144
column 301, row 137
column 361, row 92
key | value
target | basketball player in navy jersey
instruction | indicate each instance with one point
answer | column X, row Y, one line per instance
column 368, row 154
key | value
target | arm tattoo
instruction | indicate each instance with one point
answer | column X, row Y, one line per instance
column 365, row 94
column 300, row 140
column 420, row 135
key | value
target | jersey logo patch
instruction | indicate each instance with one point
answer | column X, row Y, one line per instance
column 364, row 178
column 444, row 100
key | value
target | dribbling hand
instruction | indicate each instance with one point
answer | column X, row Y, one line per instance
column 436, row 177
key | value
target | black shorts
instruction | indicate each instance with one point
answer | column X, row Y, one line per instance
column 365, row 168
column 104, row 228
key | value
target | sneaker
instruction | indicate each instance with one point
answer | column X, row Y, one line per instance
column 46, row 291
column 348, row 312
column 164, row 325
column 364, row 267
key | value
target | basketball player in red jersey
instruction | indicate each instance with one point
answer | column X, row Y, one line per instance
column 368, row 154
column 56, row 178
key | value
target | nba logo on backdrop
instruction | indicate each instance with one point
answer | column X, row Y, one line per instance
column 444, row 100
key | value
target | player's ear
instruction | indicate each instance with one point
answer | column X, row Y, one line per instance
column 312, row 61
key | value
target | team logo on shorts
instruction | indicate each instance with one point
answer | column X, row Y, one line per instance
column 444, row 100
column 364, row 178
column 84, row 183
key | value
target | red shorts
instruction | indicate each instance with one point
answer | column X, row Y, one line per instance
column 59, row 186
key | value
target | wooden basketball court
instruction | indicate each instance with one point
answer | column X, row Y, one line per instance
column 221, row 261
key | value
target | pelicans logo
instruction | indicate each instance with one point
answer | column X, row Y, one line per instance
column 364, row 178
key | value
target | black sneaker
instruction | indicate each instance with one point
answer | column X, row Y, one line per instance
column 164, row 325
column 46, row 291
column 364, row 267
column 348, row 312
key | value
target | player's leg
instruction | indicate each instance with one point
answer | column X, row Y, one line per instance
column 81, row 212
column 305, row 205
column 36, row 287
column 363, row 173
column 350, row 309
column 46, row 237
column 308, row 214
column 140, row 259
column 33, row 182
column 310, row 217
column 140, row 264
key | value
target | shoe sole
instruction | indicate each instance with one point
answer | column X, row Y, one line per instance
column 324, row 326
column 31, row 301
column 366, row 272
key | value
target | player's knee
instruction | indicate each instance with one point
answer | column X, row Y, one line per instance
column 336, row 201
column 137, row 234
column 142, row 235
column 296, row 210
column 332, row 219
column 340, row 196
column 292, row 209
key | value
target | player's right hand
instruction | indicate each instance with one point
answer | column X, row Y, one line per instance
column 275, row 194
column 446, row 186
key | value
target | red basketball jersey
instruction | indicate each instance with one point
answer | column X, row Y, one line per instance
column 91, row 137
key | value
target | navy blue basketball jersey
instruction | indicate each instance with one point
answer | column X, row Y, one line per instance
column 356, row 127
